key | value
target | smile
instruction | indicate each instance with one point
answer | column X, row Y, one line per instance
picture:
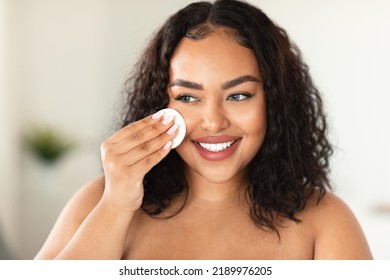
column 216, row 147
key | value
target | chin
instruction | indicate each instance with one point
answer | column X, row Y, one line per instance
column 220, row 175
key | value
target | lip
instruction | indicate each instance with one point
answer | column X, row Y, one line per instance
column 217, row 156
column 216, row 139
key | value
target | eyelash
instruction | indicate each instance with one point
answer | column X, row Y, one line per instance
column 184, row 97
column 245, row 95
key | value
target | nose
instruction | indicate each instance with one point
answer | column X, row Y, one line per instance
column 214, row 118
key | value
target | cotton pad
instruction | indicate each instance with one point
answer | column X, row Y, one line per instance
column 181, row 125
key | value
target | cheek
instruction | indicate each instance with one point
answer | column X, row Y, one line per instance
column 191, row 117
column 254, row 126
column 252, row 121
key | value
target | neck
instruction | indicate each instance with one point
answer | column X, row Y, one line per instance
column 216, row 195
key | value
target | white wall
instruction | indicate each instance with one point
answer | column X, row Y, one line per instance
column 67, row 60
column 9, row 192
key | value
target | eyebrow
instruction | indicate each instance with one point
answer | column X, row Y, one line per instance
column 186, row 84
column 229, row 84
column 239, row 80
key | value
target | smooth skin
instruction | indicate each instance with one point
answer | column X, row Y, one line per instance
column 103, row 220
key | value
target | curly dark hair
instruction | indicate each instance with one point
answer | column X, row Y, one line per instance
column 292, row 162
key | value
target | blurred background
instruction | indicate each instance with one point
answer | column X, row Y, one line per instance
column 63, row 64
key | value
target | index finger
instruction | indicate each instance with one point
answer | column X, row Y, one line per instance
column 134, row 127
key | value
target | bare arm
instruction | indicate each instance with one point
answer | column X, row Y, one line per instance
column 339, row 235
column 77, row 212
column 95, row 222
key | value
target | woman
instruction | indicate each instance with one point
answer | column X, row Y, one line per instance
column 250, row 179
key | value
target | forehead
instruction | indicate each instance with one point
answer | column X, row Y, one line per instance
column 217, row 56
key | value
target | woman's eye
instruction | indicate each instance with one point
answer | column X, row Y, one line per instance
column 186, row 98
column 239, row 96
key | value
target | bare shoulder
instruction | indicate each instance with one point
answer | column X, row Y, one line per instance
column 71, row 217
column 338, row 234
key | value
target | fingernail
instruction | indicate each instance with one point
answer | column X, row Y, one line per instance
column 172, row 129
column 168, row 145
column 167, row 120
column 157, row 115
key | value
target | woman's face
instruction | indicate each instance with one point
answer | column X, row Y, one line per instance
column 217, row 86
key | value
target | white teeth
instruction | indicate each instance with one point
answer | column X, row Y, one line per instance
column 216, row 147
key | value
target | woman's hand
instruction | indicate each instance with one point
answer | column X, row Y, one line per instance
column 95, row 223
column 129, row 154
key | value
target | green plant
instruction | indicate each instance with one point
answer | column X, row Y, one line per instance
column 47, row 143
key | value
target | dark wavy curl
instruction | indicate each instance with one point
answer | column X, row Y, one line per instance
column 293, row 159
